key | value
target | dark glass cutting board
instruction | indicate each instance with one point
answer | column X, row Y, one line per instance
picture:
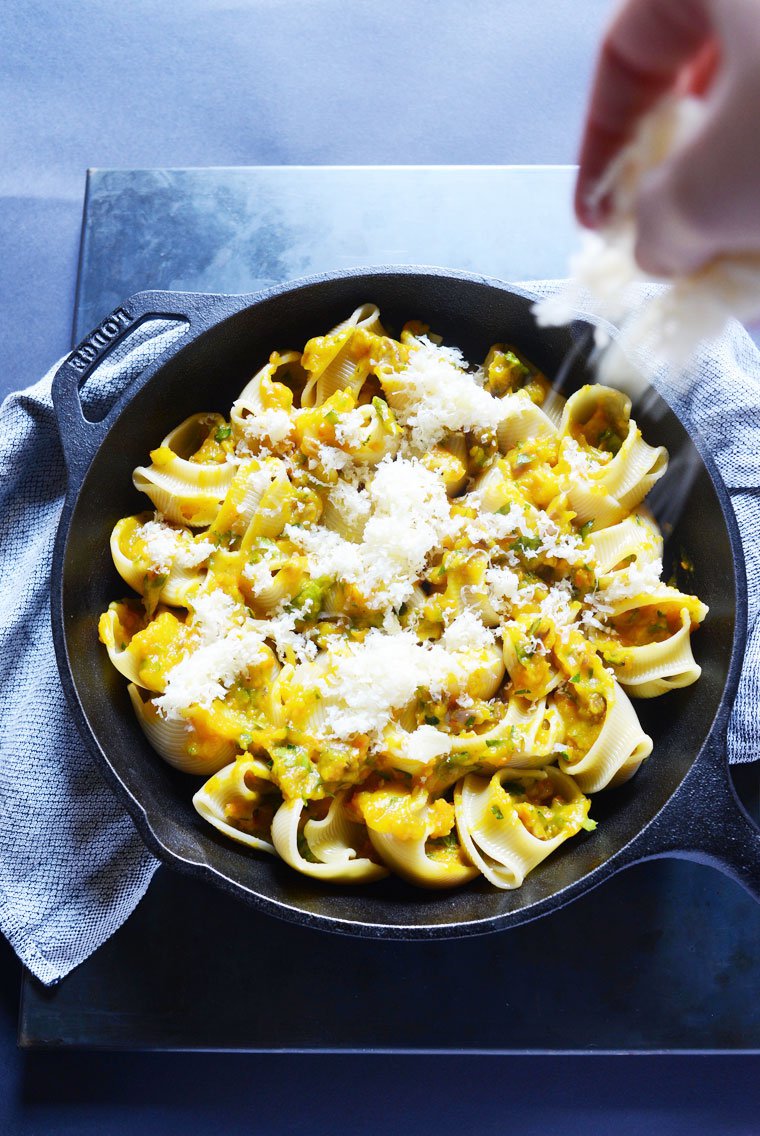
column 662, row 958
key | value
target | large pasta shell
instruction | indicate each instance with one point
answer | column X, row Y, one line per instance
column 115, row 634
column 258, row 394
column 133, row 562
column 177, row 742
column 523, row 420
column 449, row 459
column 186, row 492
column 330, row 361
column 637, row 536
column 610, row 491
column 409, row 859
column 618, row 751
column 234, row 788
column 656, row 668
column 496, row 840
column 332, row 841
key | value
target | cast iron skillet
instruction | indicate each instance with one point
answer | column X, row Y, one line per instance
column 681, row 803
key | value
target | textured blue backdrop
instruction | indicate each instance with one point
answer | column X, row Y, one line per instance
column 252, row 82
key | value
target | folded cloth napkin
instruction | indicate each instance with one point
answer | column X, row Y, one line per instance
column 72, row 867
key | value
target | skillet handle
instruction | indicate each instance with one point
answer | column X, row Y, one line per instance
column 707, row 822
column 80, row 437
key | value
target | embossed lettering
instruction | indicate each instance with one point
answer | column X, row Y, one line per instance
column 100, row 339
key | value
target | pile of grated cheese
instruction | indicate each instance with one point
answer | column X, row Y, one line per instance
column 405, row 520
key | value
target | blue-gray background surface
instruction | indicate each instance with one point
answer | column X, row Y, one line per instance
column 255, row 82
column 227, row 82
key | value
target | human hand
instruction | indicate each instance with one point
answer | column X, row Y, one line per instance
column 704, row 200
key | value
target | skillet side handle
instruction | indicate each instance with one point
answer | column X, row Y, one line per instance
column 707, row 822
column 81, row 437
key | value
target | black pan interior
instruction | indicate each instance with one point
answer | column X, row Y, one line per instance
column 206, row 375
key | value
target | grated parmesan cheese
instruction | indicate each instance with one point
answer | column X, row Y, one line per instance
column 270, row 424
column 210, row 671
column 351, row 503
column 557, row 605
column 259, row 576
column 168, row 547
column 434, row 395
column 409, row 516
column 228, row 644
column 365, row 682
column 467, row 632
column 287, row 641
column 636, row 579
column 351, row 429
column 504, row 588
column 579, row 461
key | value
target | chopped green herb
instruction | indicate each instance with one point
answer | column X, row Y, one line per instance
column 222, row 433
column 576, row 677
column 497, row 812
column 384, row 412
column 431, row 720
column 526, row 543
column 470, row 721
column 331, row 417
column 584, row 530
column 609, row 440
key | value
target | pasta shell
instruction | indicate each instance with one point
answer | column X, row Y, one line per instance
column 272, row 513
column 656, row 668
column 234, row 789
column 335, row 841
column 184, row 491
column 449, row 459
column 409, row 859
column 116, row 637
column 177, row 742
column 636, row 536
column 131, row 568
column 258, row 394
column 495, row 838
column 522, row 420
column 526, row 737
column 333, row 367
column 617, row 752
column 607, row 493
